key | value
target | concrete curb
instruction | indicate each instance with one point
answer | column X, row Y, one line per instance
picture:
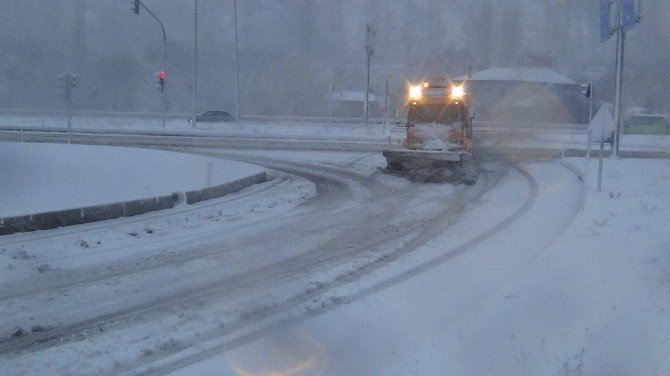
column 77, row 216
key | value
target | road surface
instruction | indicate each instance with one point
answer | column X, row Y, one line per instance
column 160, row 292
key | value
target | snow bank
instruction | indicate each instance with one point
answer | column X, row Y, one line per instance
column 37, row 178
column 596, row 303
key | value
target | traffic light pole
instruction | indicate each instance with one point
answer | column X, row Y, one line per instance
column 164, row 51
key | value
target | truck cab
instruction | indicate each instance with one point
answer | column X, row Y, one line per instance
column 438, row 117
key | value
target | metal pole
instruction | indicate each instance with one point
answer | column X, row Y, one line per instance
column 386, row 94
column 586, row 169
column 588, row 147
column 164, row 56
column 600, row 158
column 237, row 69
column 367, row 91
column 368, row 50
column 68, row 83
column 591, row 104
column 621, row 35
column 195, row 67
column 330, row 103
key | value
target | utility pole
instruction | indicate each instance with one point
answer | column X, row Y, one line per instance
column 195, row 67
column 237, row 68
column 369, row 49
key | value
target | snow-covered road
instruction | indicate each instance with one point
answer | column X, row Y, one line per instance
column 162, row 291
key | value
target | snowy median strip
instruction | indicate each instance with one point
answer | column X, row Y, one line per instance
column 47, row 186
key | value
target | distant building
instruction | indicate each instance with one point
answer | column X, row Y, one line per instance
column 351, row 104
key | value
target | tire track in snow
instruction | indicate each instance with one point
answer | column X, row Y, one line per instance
column 429, row 231
column 213, row 347
column 331, row 194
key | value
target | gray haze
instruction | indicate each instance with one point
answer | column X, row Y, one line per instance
column 291, row 50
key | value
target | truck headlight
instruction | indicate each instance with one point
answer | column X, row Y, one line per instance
column 415, row 92
column 457, row 92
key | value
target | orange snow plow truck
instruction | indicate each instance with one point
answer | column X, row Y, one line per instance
column 437, row 146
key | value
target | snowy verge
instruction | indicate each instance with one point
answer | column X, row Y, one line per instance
column 75, row 184
column 596, row 302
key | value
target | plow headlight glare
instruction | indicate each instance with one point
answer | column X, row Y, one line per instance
column 457, row 91
column 415, row 92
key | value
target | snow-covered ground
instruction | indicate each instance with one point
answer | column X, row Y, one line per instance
column 357, row 272
column 42, row 177
column 594, row 301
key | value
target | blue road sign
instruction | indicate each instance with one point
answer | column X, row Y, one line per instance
column 628, row 16
column 605, row 27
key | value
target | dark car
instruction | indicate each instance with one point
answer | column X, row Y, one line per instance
column 215, row 116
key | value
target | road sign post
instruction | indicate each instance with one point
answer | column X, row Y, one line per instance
column 626, row 18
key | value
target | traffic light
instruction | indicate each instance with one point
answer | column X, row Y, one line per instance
column 74, row 80
column 161, row 79
column 136, row 6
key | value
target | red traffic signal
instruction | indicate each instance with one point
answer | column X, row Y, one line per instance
column 161, row 80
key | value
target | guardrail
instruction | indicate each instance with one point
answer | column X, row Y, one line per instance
column 482, row 125
column 157, row 115
column 117, row 114
column 311, row 119
column 493, row 126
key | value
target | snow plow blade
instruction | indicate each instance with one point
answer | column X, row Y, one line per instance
column 432, row 165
